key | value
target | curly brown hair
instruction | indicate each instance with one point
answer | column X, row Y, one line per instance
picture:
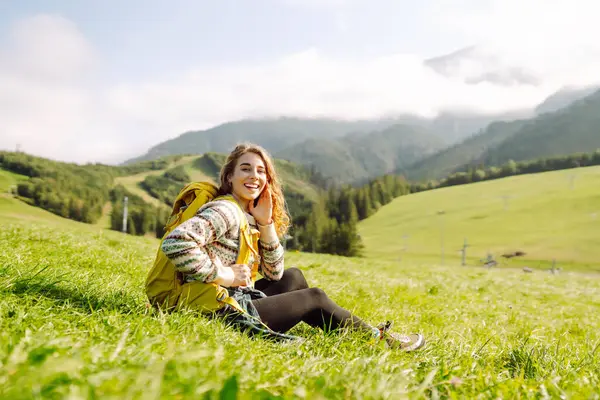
column 281, row 219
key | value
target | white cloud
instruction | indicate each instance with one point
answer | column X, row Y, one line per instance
column 55, row 104
column 310, row 84
column 555, row 38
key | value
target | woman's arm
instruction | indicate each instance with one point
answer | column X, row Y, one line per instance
column 272, row 253
column 185, row 245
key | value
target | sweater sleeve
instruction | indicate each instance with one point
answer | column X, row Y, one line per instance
column 272, row 253
column 185, row 245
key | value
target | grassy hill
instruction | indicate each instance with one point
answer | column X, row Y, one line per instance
column 298, row 189
column 94, row 193
column 132, row 182
column 74, row 323
column 554, row 215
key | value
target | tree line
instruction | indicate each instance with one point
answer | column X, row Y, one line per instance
column 69, row 190
column 329, row 225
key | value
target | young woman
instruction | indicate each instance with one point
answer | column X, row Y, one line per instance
column 205, row 248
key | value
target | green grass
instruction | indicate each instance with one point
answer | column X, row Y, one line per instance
column 74, row 323
column 9, row 179
column 13, row 210
column 132, row 184
column 546, row 217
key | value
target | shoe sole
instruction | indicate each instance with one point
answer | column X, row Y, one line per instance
column 416, row 345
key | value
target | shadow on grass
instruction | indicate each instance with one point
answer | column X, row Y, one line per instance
column 58, row 288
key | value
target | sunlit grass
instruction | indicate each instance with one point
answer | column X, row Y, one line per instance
column 74, row 322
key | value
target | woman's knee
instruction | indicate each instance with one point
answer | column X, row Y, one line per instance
column 318, row 296
column 297, row 277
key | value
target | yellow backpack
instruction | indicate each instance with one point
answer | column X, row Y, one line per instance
column 164, row 285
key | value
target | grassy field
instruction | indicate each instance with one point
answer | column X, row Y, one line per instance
column 554, row 215
column 74, row 324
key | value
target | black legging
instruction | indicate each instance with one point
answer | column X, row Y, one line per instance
column 290, row 301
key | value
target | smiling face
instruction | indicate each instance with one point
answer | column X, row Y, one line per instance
column 249, row 177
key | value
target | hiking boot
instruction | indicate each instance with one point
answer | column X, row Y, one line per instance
column 397, row 341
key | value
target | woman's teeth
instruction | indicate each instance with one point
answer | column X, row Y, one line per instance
column 251, row 186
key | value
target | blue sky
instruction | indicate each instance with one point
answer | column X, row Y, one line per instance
column 106, row 80
column 144, row 38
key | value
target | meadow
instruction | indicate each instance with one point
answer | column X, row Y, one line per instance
column 548, row 216
column 74, row 320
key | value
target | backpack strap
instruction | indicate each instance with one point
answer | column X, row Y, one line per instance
column 248, row 239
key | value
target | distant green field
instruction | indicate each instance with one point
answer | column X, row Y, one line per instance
column 74, row 324
column 554, row 215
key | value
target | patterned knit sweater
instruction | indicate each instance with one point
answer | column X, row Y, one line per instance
column 203, row 247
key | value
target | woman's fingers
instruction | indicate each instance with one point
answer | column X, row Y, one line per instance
column 267, row 192
column 242, row 275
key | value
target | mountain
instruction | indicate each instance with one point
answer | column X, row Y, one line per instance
column 570, row 130
column 454, row 158
column 273, row 134
column 358, row 157
column 479, row 64
column 454, row 127
column 564, row 98
column 281, row 133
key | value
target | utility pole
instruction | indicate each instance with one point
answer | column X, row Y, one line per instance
column 464, row 253
column 572, row 180
column 441, row 214
column 125, row 214
column 506, row 198
column 405, row 237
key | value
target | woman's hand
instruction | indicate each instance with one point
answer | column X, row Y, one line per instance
column 241, row 275
column 263, row 212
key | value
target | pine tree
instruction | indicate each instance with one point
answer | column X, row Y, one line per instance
column 314, row 227
column 345, row 205
column 361, row 204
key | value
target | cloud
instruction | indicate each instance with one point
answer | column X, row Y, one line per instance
column 557, row 39
column 51, row 104
column 56, row 102
column 309, row 84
